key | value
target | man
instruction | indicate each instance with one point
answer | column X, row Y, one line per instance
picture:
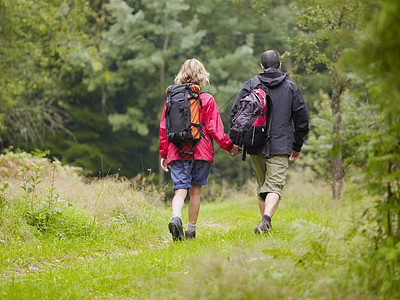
column 289, row 126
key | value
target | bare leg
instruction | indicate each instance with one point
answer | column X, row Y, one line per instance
column 179, row 199
column 194, row 204
column 267, row 207
column 175, row 226
column 271, row 204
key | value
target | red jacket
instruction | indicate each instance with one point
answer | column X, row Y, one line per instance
column 212, row 126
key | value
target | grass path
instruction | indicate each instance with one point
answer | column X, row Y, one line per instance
column 226, row 260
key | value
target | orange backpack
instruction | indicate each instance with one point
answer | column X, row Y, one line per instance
column 182, row 116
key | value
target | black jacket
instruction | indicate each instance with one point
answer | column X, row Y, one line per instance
column 289, row 115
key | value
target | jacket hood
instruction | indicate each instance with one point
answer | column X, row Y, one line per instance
column 272, row 77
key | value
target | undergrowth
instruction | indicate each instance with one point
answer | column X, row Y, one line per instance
column 45, row 205
column 64, row 237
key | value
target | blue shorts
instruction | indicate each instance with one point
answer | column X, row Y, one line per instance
column 198, row 176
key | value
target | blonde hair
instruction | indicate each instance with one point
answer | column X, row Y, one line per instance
column 192, row 71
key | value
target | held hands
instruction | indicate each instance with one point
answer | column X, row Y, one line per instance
column 236, row 150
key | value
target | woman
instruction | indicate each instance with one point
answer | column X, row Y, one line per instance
column 192, row 71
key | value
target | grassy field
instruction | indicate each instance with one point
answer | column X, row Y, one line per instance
column 109, row 239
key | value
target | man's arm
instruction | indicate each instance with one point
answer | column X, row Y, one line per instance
column 301, row 118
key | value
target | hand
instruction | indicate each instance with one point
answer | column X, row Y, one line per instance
column 295, row 155
column 164, row 165
column 236, row 150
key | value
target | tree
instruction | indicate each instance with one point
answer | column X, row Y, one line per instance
column 379, row 64
column 35, row 49
column 326, row 30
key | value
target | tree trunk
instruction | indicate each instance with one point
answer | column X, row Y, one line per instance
column 337, row 164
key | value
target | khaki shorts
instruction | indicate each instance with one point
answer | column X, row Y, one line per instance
column 272, row 177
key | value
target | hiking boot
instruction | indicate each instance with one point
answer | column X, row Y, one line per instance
column 190, row 235
column 175, row 227
column 263, row 226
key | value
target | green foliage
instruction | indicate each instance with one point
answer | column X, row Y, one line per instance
column 319, row 144
column 40, row 212
column 359, row 119
column 377, row 62
column 3, row 196
column 323, row 26
column 36, row 51
column 316, row 239
column 133, row 120
column 30, row 183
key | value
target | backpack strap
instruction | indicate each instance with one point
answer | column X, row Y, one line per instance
column 199, row 99
column 195, row 143
column 192, row 162
column 167, row 109
column 264, row 101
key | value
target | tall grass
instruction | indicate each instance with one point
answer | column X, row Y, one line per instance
column 53, row 215
column 110, row 240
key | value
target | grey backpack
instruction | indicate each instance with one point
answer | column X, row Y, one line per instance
column 251, row 123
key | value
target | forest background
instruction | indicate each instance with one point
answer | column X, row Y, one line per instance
column 84, row 81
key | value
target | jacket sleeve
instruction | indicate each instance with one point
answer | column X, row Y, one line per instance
column 214, row 126
column 243, row 92
column 163, row 143
column 301, row 118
